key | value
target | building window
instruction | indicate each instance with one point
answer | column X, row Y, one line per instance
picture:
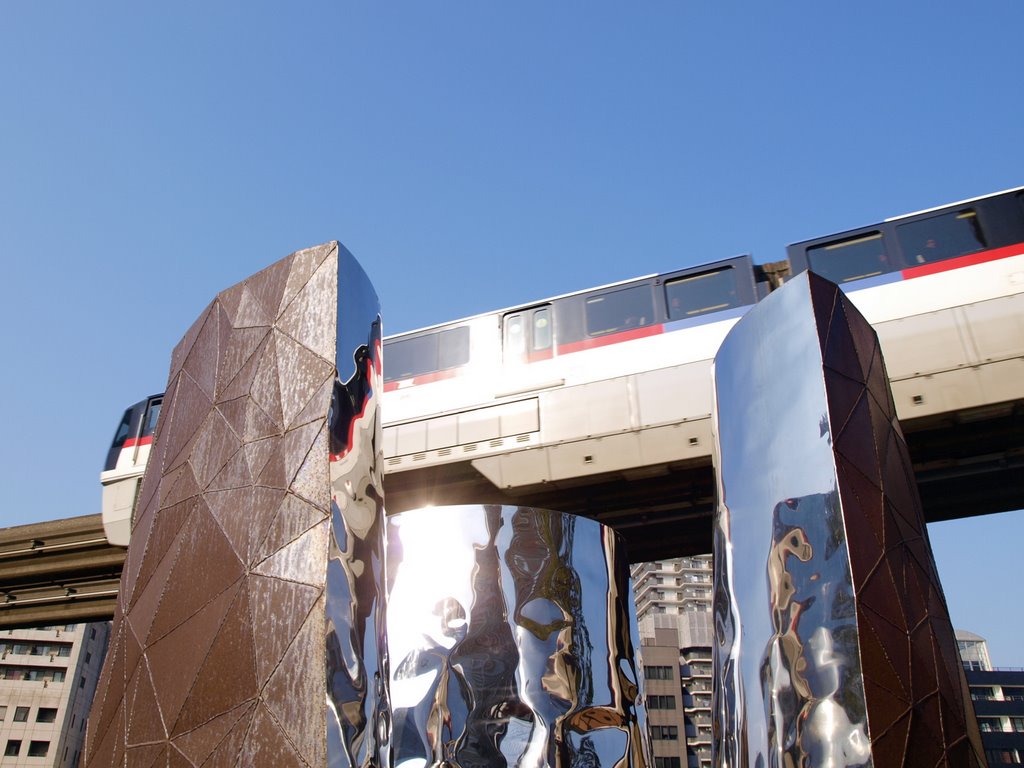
column 658, row 673
column 989, row 724
column 3, row 713
column 667, row 762
column 38, row 748
column 661, row 702
column 46, row 715
column 665, row 732
column 21, row 714
column 1018, row 724
column 13, row 748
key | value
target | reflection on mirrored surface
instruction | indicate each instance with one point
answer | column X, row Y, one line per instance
column 512, row 641
column 357, row 710
column 833, row 642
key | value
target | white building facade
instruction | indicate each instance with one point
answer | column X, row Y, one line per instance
column 48, row 677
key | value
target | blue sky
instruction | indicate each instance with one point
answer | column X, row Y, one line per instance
column 472, row 155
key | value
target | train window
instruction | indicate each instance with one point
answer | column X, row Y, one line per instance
column 850, row 259
column 697, row 294
column 454, row 348
column 410, row 357
column 431, row 352
column 541, row 330
column 151, row 418
column 515, row 339
column 620, row 310
column 941, row 237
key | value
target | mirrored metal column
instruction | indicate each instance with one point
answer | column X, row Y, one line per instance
column 248, row 628
column 833, row 642
column 512, row 638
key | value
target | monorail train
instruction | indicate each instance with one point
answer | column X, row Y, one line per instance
column 616, row 378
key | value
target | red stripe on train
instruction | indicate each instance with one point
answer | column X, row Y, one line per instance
column 426, row 378
column 563, row 349
column 131, row 442
column 611, row 338
column 963, row 261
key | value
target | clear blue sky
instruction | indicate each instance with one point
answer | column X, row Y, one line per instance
column 472, row 155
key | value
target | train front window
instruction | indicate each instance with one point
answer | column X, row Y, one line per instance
column 151, row 418
column 620, row 310
column 945, row 236
column 852, row 258
column 698, row 294
column 123, row 429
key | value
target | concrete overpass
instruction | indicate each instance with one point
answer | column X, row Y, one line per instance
column 966, row 463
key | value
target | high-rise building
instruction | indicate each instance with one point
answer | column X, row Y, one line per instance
column 973, row 650
column 998, row 697
column 673, row 599
column 47, row 679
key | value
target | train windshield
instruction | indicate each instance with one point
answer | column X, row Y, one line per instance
column 125, row 429
column 698, row 294
column 151, row 418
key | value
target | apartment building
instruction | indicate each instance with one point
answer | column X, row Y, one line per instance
column 673, row 599
column 47, row 679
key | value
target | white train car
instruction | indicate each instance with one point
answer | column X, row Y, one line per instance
column 602, row 380
column 944, row 290
column 122, row 471
column 614, row 380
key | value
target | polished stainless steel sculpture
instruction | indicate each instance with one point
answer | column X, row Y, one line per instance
column 512, row 640
column 833, row 642
column 248, row 627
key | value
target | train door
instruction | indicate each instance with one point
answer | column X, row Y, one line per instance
column 528, row 335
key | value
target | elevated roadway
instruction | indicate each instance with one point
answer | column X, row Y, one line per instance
column 57, row 572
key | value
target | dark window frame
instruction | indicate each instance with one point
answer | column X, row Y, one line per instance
column 734, row 300
column 865, row 258
column 916, row 236
column 621, row 317
column 432, row 352
column 35, row 746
